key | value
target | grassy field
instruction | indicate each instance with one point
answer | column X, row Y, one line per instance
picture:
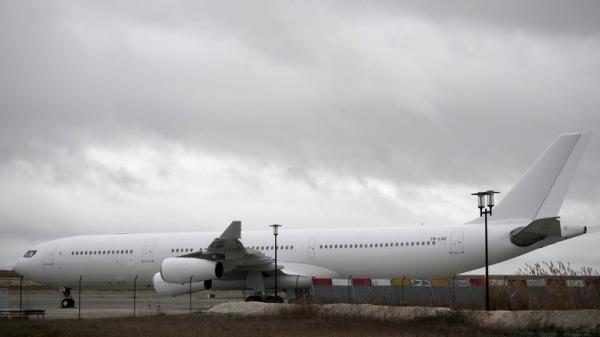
column 290, row 324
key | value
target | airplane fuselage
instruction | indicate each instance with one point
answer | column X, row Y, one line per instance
column 114, row 260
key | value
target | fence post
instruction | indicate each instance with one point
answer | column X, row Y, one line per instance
column 20, row 296
column 79, row 299
column 431, row 292
column 134, row 293
column 244, row 290
column 191, row 293
column 402, row 290
column 506, row 294
column 452, row 293
column 349, row 284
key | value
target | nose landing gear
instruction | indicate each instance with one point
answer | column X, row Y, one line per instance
column 67, row 301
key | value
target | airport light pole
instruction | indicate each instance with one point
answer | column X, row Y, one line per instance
column 484, row 211
column 275, row 233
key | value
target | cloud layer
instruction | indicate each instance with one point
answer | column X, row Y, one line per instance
column 185, row 115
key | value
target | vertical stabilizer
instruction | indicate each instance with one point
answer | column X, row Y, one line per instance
column 541, row 191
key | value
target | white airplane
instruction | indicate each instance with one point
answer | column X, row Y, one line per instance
column 177, row 263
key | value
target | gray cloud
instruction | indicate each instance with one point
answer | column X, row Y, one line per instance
column 418, row 94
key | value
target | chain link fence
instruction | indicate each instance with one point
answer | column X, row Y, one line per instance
column 465, row 292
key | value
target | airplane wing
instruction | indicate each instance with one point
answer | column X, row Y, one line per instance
column 229, row 250
column 237, row 260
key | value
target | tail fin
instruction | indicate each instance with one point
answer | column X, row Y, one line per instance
column 541, row 191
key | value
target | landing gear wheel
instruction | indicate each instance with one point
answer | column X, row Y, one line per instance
column 273, row 299
column 67, row 303
column 254, row 298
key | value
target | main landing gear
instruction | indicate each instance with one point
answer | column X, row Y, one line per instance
column 273, row 299
column 266, row 299
column 67, row 301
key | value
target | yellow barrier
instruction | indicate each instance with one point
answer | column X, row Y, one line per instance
column 398, row 282
column 440, row 282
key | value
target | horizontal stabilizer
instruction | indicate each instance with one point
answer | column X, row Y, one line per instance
column 536, row 231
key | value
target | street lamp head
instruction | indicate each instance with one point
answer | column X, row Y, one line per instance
column 490, row 198
column 275, row 228
column 480, row 199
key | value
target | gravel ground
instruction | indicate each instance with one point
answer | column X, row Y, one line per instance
column 551, row 320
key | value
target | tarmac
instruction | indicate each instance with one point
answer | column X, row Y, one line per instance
column 109, row 304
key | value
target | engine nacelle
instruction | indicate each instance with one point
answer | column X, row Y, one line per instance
column 173, row 289
column 181, row 269
column 569, row 231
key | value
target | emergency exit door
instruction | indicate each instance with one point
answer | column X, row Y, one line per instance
column 148, row 253
column 457, row 245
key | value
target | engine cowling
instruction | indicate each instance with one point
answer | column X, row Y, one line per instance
column 181, row 269
column 173, row 289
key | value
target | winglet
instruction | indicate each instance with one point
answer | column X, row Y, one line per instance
column 234, row 231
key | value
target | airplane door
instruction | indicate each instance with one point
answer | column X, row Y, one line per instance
column 49, row 255
column 148, row 254
column 312, row 246
column 457, row 243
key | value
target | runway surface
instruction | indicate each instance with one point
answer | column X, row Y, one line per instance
column 104, row 304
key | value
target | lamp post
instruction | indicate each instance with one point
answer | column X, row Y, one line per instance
column 483, row 211
column 275, row 233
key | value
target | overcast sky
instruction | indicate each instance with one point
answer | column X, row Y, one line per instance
column 156, row 116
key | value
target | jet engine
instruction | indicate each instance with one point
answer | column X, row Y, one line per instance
column 172, row 289
column 182, row 269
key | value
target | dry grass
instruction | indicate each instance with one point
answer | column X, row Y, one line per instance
column 303, row 321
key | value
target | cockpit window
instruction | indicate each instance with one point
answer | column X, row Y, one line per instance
column 30, row 253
